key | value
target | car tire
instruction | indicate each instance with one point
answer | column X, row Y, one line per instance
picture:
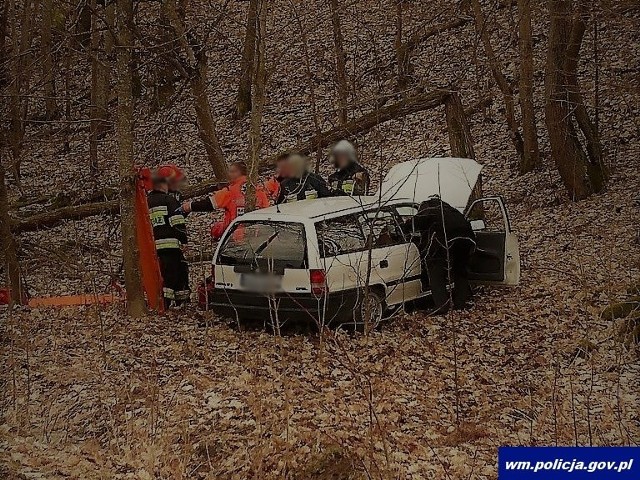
column 371, row 304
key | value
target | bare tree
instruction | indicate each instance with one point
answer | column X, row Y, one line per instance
column 458, row 127
column 531, row 153
column 8, row 243
column 581, row 176
column 98, row 112
column 194, row 68
column 259, row 89
column 402, row 53
column 19, row 83
column 341, row 62
column 243, row 102
column 588, row 128
column 125, row 134
column 501, row 80
column 48, row 78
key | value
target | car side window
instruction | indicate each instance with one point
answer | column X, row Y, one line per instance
column 381, row 228
column 337, row 236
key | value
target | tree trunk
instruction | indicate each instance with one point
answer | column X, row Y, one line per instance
column 259, row 90
column 458, row 128
column 243, row 102
column 19, row 83
column 83, row 24
column 531, row 153
column 195, row 69
column 165, row 71
column 125, row 134
column 341, row 63
column 206, row 123
column 597, row 170
column 4, row 23
column 98, row 112
column 501, row 80
column 310, row 83
column 402, row 53
column 8, row 244
column 566, row 151
column 48, row 77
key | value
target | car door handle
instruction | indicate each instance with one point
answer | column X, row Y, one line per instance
column 384, row 263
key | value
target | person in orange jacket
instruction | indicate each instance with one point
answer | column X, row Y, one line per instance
column 230, row 199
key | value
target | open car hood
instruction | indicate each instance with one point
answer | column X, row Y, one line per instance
column 451, row 178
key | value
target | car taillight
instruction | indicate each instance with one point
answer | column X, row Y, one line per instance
column 318, row 280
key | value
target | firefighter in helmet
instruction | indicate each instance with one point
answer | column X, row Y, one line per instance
column 170, row 235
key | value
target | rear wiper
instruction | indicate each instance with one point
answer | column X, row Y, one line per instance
column 264, row 244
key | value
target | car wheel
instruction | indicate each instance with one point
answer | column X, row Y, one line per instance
column 369, row 311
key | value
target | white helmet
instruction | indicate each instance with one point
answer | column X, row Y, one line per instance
column 345, row 147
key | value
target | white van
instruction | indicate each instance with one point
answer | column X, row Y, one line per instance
column 335, row 260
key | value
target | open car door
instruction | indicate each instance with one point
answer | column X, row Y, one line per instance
column 496, row 260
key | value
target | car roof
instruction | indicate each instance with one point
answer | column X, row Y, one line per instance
column 319, row 207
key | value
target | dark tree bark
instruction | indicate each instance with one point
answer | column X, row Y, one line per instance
column 458, row 128
column 259, row 89
column 206, row 123
column 18, row 104
column 340, row 63
column 164, row 86
column 125, row 133
column 48, row 77
column 243, row 102
column 8, row 244
column 583, row 120
column 194, row 68
column 578, row 174
column 98, row 112
column 531, row 153
column 4, row 24
column 501, row 80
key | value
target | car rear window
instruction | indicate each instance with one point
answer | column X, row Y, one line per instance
column 276, row 245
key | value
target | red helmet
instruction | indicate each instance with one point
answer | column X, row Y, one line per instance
column 165, row 172
column 170, row 172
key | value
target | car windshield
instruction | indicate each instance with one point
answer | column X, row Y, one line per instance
column 276, row 244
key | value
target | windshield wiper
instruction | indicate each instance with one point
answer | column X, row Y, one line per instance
column 265, row 244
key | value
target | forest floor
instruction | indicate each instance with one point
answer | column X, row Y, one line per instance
column 89, row 393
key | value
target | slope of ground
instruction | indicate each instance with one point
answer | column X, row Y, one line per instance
column 91, row 394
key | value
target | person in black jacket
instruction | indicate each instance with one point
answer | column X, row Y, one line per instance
column 301, row 184
column 175, row 179
column 446, row 244
column 170, row 235
column 350, row 178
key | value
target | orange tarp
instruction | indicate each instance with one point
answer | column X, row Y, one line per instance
column 72, row 300
column 149, row 264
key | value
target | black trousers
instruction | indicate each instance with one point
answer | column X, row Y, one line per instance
column 441, row 269
column 175, row 276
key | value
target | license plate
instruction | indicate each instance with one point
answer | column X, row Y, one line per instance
column 261, row 283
